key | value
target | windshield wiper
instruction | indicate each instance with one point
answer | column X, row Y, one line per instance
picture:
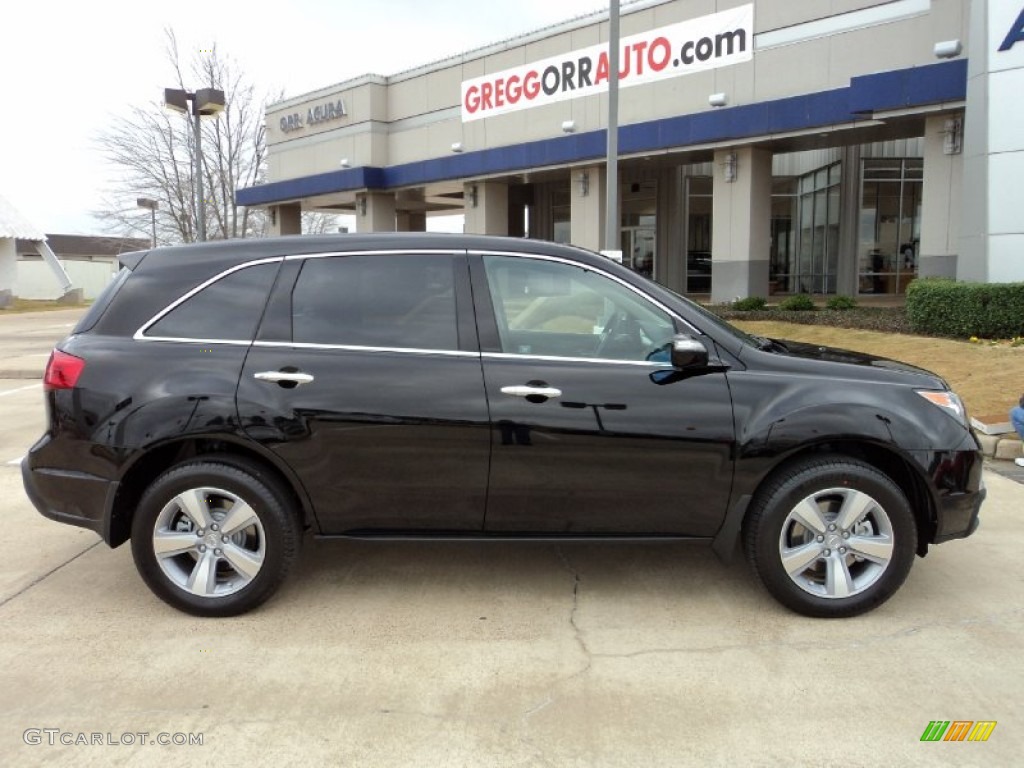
column 770, row 345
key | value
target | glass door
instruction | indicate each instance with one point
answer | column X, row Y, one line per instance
column 638, row 249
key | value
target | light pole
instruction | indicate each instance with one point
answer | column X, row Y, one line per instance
column 205, row 102
column 152, row 205
column 611, row 216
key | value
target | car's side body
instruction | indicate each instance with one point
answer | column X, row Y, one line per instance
column 416, row 435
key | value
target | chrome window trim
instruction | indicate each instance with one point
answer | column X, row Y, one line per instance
column 359, row 348
column 559, row 359
column 560, row 260
column 383, row 252
column 187, row 340
column 139, row 334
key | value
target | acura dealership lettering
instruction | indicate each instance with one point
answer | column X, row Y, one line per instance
column 321, row 113
column 679, row 49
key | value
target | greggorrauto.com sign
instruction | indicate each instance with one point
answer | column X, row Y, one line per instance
column 690, row 46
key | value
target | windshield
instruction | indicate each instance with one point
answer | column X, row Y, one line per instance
column 720, row 324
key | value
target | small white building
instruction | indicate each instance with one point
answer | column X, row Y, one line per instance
column 89, row 261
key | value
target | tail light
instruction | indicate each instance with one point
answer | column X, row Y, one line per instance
column 62, row 370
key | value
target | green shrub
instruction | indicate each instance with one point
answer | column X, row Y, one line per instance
column 841, row 303
column 801, row 302
column 943, row 307
column 750, row 304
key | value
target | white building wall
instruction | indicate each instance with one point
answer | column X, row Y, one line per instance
column 35, row 280
column 992, row 235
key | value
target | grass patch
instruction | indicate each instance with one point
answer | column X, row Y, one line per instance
column 987, row 377
column 39, row 305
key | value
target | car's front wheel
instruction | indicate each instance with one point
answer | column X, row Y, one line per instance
column 831, row 537
column 214, row 539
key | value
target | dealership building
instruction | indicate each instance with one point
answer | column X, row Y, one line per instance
column 773, row 147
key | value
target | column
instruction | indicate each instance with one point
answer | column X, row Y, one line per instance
column 8, row 270
column 411, row 221
column 741, row 228
column 849, row 222
column 587, row 207
column 992, row 228
column 286, row 219
column 375, row 212
column 670, row 241
column 941, row 197
column 486, row 204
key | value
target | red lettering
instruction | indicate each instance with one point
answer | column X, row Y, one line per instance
column 601, row 73
column 513, row 90
column 485, row 95
column 472, row 102
column 659, row 44
column 638, row 49
column 499, row 93
column 531, row 84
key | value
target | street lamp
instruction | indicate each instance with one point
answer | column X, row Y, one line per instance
column 152, row 205
column 205, row 102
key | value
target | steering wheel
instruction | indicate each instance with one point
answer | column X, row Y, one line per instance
column 617, row 327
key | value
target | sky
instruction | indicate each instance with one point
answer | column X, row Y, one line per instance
column 68, row 68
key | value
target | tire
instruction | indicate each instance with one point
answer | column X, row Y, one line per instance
column 831, row 537
column 215, row 538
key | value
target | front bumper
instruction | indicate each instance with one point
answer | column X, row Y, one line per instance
column 957, row 488
column 958, row 515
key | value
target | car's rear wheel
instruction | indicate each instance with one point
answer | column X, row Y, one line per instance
column 214, row 539
column 831, row 537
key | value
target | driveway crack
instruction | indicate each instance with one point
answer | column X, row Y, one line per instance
column 46, row 575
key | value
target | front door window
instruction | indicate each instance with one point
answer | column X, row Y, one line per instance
column 556, row 310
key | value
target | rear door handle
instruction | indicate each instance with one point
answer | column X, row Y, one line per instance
column 525, row 390
column 283, row 377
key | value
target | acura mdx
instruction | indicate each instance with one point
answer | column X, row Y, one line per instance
column 220, row 401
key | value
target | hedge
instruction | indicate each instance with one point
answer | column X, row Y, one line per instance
column 943, row 307
column 884, row 319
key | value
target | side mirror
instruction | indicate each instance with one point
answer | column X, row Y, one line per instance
column 688, row 352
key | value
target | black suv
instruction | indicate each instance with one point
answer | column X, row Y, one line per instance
column 218, row 400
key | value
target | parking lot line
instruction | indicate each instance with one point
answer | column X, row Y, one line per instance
column 20, row 389
column 15, row 462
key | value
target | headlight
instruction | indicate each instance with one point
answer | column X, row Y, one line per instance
column 948, row 401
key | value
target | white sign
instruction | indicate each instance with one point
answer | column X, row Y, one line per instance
column 697, row 45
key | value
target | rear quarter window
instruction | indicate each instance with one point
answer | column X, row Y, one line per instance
column 99, row 306
column 225, row 310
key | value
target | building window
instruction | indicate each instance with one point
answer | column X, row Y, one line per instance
column 810, row 261
column 561, row 215
column 699, row 192
column 890, row 224
column 782, row 251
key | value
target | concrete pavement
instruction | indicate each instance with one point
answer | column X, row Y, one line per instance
column 514, row 654
column 26, row 339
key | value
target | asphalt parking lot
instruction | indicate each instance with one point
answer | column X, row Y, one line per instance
column 514, row 654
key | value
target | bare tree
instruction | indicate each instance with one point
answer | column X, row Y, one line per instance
column 154, row 150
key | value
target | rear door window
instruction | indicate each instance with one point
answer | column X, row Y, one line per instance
column 383, row 301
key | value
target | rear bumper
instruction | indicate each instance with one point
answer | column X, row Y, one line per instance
column 76, row 498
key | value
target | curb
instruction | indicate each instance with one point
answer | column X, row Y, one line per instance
column 1000, row 446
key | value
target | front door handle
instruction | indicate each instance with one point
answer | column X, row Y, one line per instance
column 283, row 377
column 525, row 390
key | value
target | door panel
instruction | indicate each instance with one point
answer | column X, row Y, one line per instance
column 612, row 446
column 391, row 432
